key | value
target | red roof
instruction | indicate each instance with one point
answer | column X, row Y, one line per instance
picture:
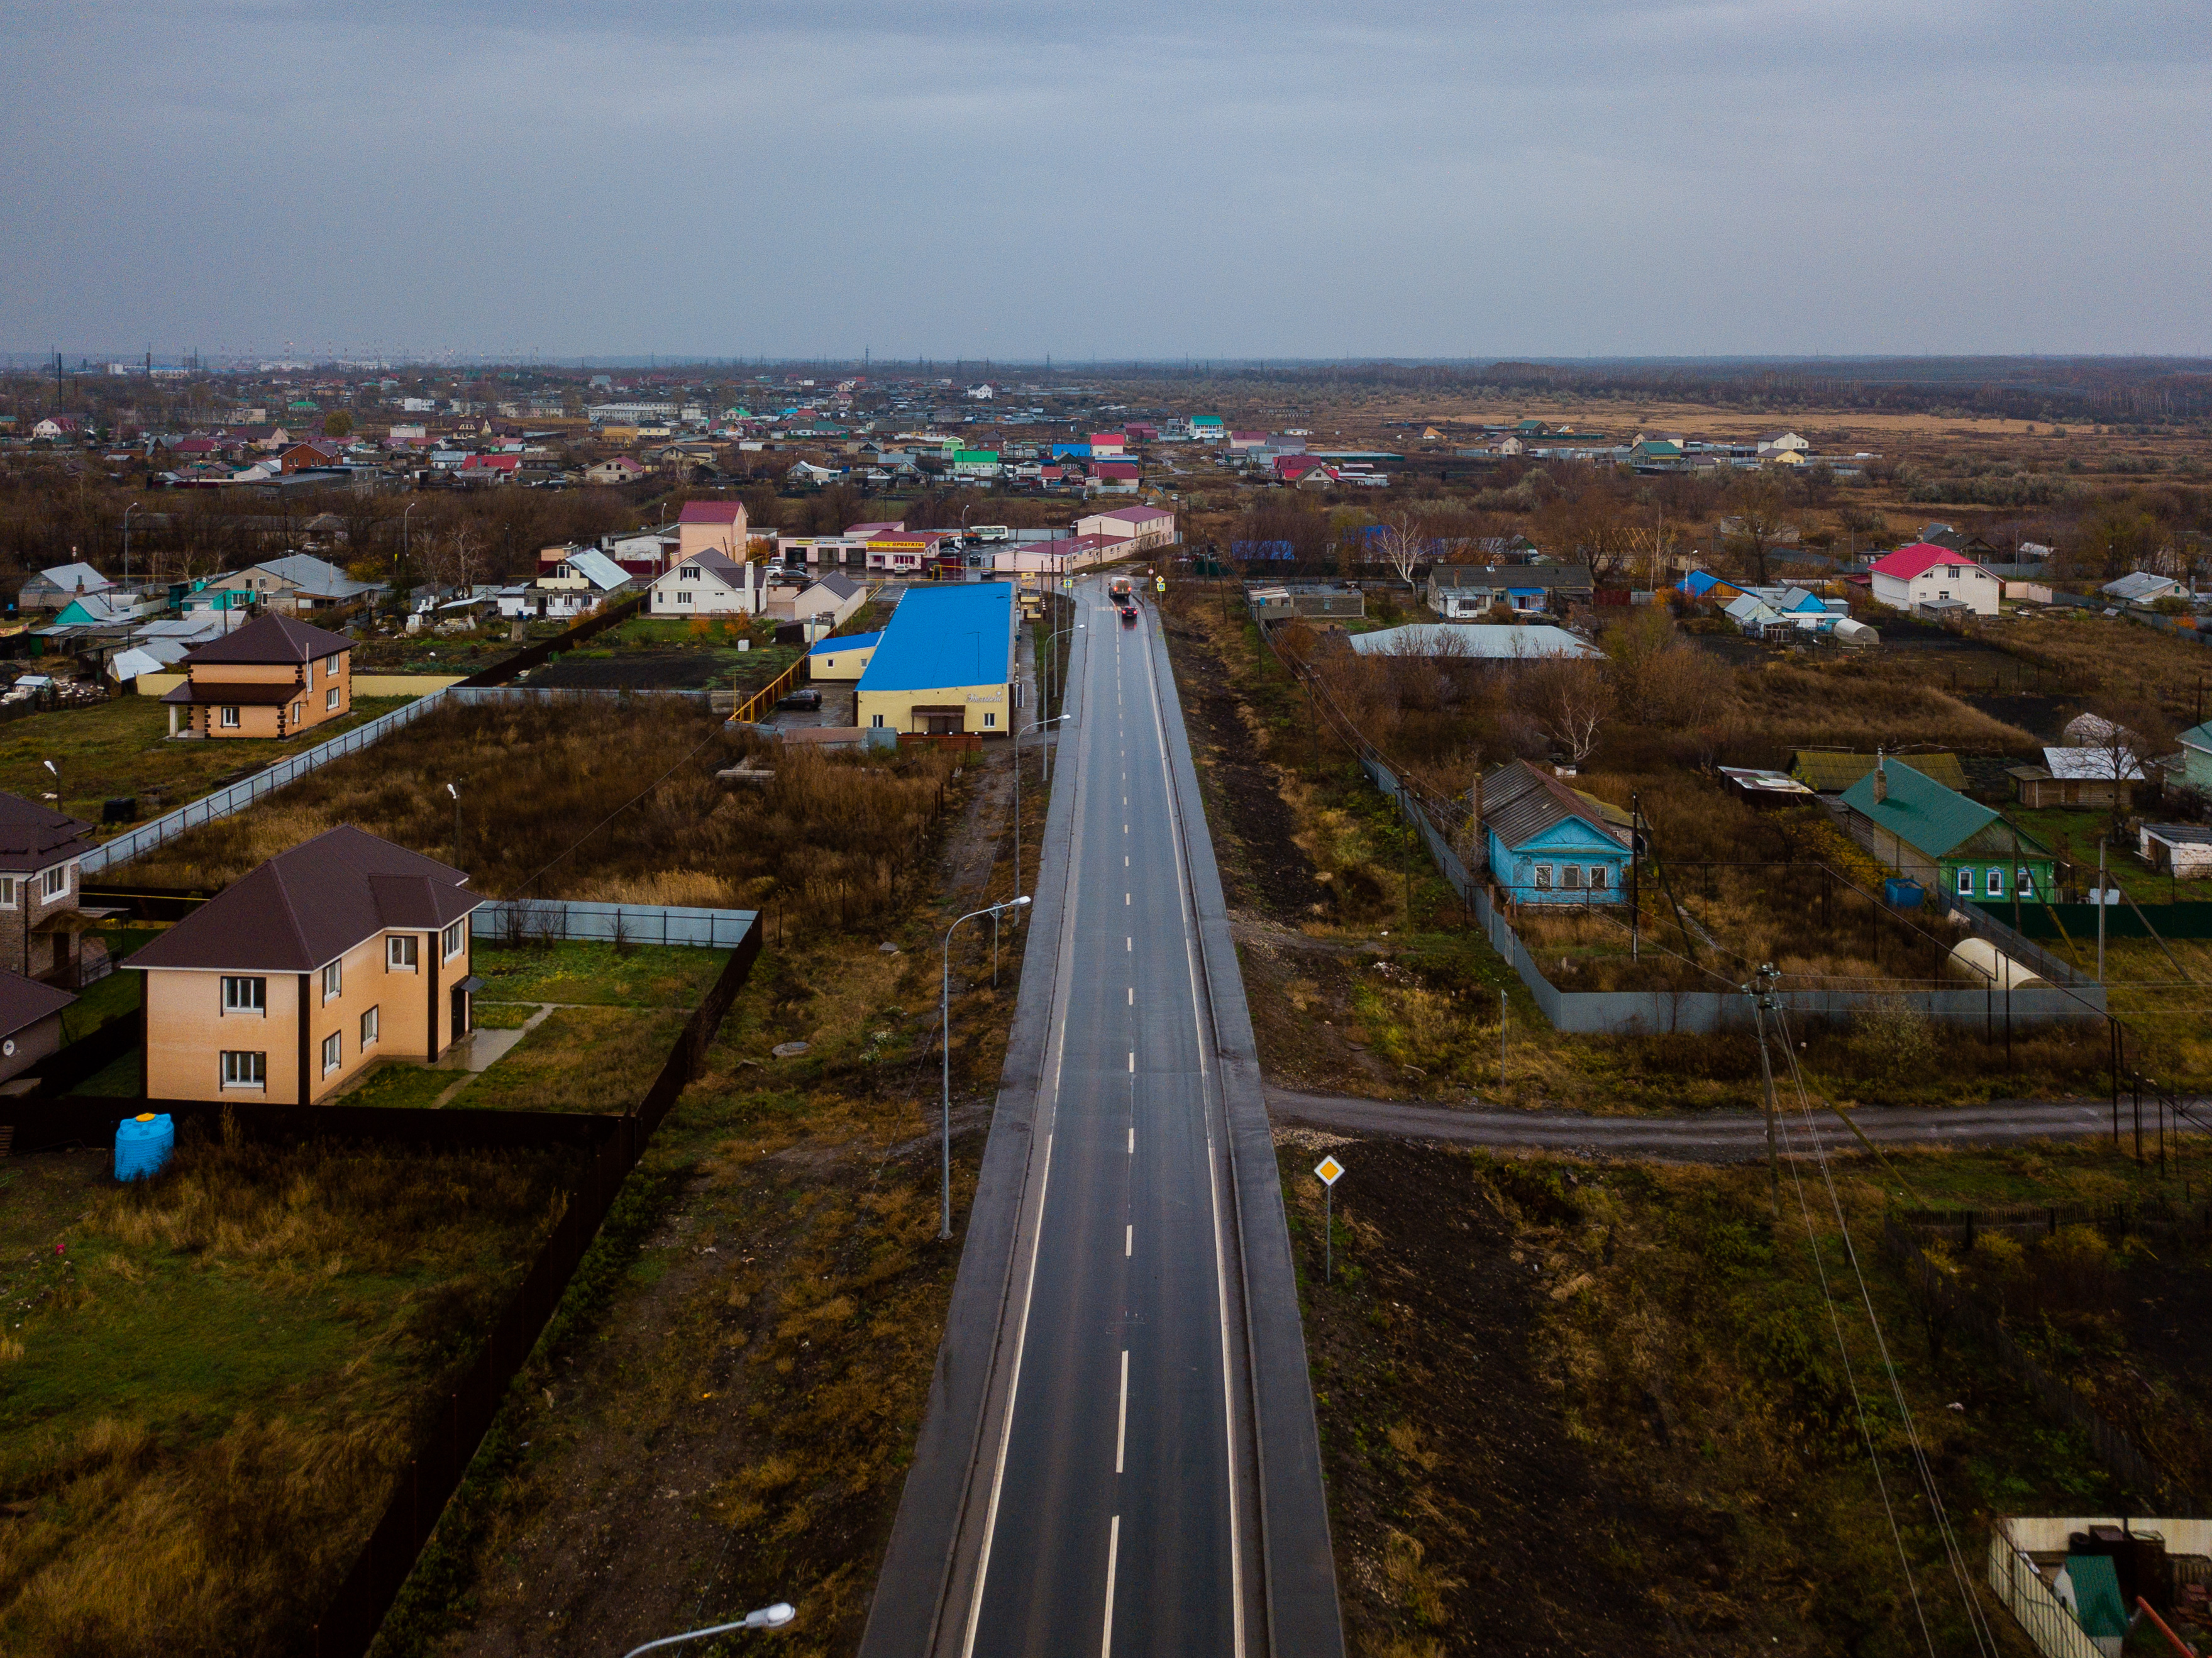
column 1112, row 438
column 1115, row 469
column 491, row 464
column 710, row 512
column 1920, row 556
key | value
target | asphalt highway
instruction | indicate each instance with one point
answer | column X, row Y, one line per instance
column 1118, row 1518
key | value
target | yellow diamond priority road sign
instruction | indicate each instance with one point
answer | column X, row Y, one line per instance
column 1329, row 1170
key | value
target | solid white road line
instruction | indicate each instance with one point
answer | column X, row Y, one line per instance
column 1122, row 1426
column 1113, row 1558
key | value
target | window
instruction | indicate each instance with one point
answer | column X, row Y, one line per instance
column 241, row 1070
column 2024, row 883
column 1598, row 877
column 877, row 720
column 990, row 718
column 230, row 719
column 399, row 951
column 330, row 667
column 333, row 979
column 682, row 599
column 298, row 711
column 333, row 1053
column 1543, row 877
column 687, row 572
column 54, row 883
column 1965, row 883
column 7, row 892
column 1571, row 877
column 245, row 995
column 331, row 699
column 1996, row 883
column 450, row 944
column 368, row 1029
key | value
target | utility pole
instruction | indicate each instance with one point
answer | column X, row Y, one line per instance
column 2100, row 909
column 1762, row 1003
column 1635, row 874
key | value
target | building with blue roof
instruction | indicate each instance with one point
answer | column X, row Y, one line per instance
column 845, row 657
column 945, row 662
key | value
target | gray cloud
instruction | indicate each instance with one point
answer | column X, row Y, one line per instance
column 1584, row 177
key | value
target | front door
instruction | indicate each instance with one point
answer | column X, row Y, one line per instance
column 460, row 1013
column 943, row 725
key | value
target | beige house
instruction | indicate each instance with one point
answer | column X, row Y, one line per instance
column 343, row 951
column 43, row 934
column 275, row 676
column 716, row 526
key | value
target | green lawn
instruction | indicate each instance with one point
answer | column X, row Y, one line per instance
column 401, row 1086
column 208, row 1381
column 581, row 1059
column 2075, row 834
column 649, row 976
column 122, row 747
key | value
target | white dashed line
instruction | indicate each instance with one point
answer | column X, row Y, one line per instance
column 1129, row 1240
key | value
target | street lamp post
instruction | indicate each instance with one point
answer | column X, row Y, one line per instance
column 1034, row 725
column 127, row 511
column 774, row 1617
column 944, row 1046
column 405, row 549
column 1051, row 657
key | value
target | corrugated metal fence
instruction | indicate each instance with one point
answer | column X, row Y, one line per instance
column 534, row 921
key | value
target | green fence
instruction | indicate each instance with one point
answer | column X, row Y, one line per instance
column 2182, row 921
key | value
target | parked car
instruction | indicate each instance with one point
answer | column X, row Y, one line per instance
column 807, row 697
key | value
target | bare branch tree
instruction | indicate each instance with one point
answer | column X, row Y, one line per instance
column 1569, row 699
column 1402, row 545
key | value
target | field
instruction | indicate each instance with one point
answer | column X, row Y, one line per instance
column 1577, row 1407
column 694, row 653
column 121, row 748
column 604, row 800
column 208, row 1381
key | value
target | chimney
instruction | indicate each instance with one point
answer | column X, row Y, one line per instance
column 1881, row 777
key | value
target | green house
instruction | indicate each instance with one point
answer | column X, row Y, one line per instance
column 1940, row 838
column 2196, row 758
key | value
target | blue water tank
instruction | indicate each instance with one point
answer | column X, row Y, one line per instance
column 142, row 1145
column 1902, row 892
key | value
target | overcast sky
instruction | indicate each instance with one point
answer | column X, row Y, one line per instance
column 990, row 179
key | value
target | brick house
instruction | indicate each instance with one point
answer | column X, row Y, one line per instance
column 344, row 951
column 42, row 933
column 275, row 676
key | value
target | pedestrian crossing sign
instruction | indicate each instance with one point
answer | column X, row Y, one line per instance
column 1329, row 1170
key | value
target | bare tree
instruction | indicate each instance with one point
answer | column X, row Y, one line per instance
column 1402, row 546
column 1756, row 529
column 2123, row 737
column 1569, row 699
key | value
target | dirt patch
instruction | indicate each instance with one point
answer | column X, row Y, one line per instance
column 1304, row 1022
column 1262, row 866
column 669, row 669
column 1466, row 1518
column 2045, row 717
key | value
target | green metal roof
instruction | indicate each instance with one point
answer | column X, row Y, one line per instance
column 2198, row 737
column 1832, row 773
column 1920, row 811
column 975, row 458
column 2097, row 1596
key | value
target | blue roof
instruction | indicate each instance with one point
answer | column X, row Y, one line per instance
column 846, row 642
column 960, row 634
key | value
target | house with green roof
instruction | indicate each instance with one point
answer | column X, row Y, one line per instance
column 1940, row 838
column 975, row 463
column 2196, row 758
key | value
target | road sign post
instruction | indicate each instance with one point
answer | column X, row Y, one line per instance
column 1330, row 1171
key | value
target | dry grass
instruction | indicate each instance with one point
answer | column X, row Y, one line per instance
column 221, row 1372
column 551, row 804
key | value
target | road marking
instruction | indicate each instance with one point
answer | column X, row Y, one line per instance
column 1125, row 860
column 1125, row 828
column 1128, row 1240
column 1113, row 1558
column 1129, row 945
column 1122, row 1426
column 1132, row 995
column 1125, row 901
column 1133, row 1139
column 1132, row 1062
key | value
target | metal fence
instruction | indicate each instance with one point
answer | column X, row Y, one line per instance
column 2040, row 1614
column 224, row 802
column 538, row 920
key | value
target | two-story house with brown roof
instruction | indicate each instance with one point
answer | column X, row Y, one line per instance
column 41, row 932
column 341, row 952
column 273, row 677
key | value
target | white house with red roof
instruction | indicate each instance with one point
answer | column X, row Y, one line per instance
column 1925, row 573
column 1108, row 446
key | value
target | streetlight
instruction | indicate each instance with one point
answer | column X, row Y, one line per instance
column 945, row 1042
column 127, row 511
column 1034, row 725
column 456, row 793
column 403, row 546
column 1051, row 657
column 774, row 1617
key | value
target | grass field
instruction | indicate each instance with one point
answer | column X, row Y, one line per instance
column 647, row 975
column 122, row 747
column 208, row 1380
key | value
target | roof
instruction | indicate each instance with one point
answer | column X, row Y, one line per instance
column 1917, row 559
column 245, row 693
column 34, row 837
column 2179, row 835
column 1831, row 772
column 1115, row 469
column 597, row 568
column 2094, row 765
column 1485, row 643
column 725, row 569
column 711, row 512
column 314, row 576
column 1498, row 578
column 2141, row 584
column 960, row 634
column 846, row 642
column 2098, row 1605
column 1135, row 514
column 1920, row 811
column 2198, row 737
column 840, row 583
column 76, row 578
column 26, row 1001
column 1520, row 802
column 309, row 906
column 271, row 639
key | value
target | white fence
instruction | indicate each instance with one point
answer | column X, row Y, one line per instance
column 534, row 921
column 227, row 802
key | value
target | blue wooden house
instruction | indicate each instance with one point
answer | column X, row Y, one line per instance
column 1549, row 844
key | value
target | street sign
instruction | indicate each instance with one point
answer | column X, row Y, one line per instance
column 1330, row 1170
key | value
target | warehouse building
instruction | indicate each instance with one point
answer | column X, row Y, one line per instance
column 946, row 663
